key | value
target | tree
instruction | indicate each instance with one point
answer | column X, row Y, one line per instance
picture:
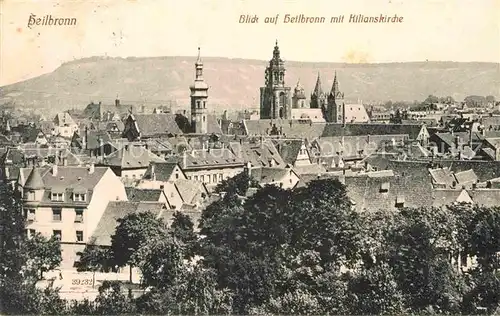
column 94, row 258
column 183, row 230
column 112, row 301
column 423, row 242
column 44, row 254
column 132, row 233
column 238, row 184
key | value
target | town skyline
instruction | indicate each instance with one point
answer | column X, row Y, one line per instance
column 440, row 33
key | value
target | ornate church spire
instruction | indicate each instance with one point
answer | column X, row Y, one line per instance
column 335, row 85
column 199, row 67
column 317, row 89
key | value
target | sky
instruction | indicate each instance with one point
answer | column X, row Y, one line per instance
column 434, row 30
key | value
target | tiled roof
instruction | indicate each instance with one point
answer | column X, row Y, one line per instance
column 265, row 175
column 215, row 157
column 67, row 179
column 157, row 124
column 466, row 177
column 119, row 209
column 355, row 113
column 258, row 153
column 34, row 180
column 62, row 119
column 131, row 157
column 442, row 177
column 163, row 170
column 143, row 195
column 289, row 149
column 309, row 169
column 305, row 129
column 191, row 191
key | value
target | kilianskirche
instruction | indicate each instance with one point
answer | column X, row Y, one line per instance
column 277, row 101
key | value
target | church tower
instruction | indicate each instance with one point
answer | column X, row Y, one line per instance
column 199, row 97
column 299, row 97
column 318, row 98
column 335, row 106
column 275, row 98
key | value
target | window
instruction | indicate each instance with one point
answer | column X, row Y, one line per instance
column 177, row 176
column 78, row 216
column 79, row 236
column 195, row 178
column 203, row 118
column 56, row 214
column 189, row 177
column 202, row 178
column 220, row 176
column 57, row 234
column 214, row 178
column 58, row 197
column 30, row 195
column 32, row 233
column 162, row 187
column 29, row 214
column 79, row 197
column 171, row 194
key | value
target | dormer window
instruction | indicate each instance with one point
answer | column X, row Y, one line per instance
column 57, row 196
column 384, row 187
column 79, row 197
column 400, row 201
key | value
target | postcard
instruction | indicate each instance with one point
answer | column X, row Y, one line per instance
column 249, row 157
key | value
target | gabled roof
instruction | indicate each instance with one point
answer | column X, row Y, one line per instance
column 119, row 209
column 62, row 119
column 442, row 176
column 466, row 177
column 162, row 170
column 191, row 191
column 215, row 158
column 258, row 153
column 143, row 195
column 156, row 124
column 131, row 157
column 289, row 149
column 269, row 175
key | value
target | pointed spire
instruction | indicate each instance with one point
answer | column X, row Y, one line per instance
column 198, row 60
column 276, row 52
column 34, row 181
column 317, row 89
column 335, row 85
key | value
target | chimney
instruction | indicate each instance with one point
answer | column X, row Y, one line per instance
column 343, row 114
column 91, row 168
column 54, row 170
column 248, row 168
column 457, row 141
column 85, row 137
column 117, row 102
column 153, row 174
column 184, row 160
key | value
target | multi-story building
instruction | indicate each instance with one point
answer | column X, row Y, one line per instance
column 67, row 202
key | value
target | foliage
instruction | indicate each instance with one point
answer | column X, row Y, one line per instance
column 44, row 254
column 94, row 258
column 238, row 184
column 183, row 230
column 134, row 231
column 112, row 301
